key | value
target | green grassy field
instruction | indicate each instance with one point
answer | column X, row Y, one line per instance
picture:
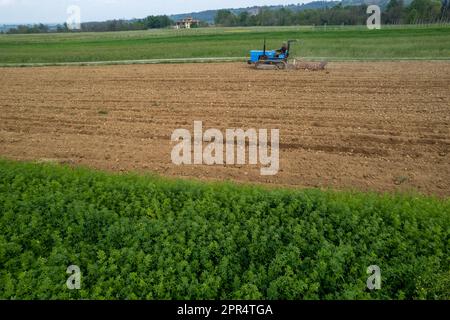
column 143, row 237
column 333, row 43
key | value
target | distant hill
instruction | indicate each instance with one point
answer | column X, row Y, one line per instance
column 209, row 15
column 381, row 3
column 6, row 27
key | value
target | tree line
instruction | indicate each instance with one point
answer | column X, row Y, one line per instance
column 150, row 22
column 396, row 12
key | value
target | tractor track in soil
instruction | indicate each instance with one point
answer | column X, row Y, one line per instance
column 380, row 126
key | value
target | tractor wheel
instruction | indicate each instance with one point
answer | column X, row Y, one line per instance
column 282, row 65
column 265, row 66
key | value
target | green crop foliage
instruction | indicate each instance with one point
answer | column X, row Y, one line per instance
column 330, row 42
column 145, row 237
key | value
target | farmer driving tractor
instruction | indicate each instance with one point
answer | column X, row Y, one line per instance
column 277, row 58
column 283, row 49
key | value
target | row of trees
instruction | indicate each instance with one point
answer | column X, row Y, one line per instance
column 150, row 22
column 37, row 28
column 419, row 11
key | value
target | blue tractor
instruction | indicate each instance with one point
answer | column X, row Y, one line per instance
column 276, row 58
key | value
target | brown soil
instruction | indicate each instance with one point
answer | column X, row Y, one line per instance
column 367, row 126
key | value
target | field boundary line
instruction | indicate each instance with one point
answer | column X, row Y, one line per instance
column 350, row 59
column 125, row 62
column 208, row 60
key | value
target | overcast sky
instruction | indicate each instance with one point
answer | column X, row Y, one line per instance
column 54, row 11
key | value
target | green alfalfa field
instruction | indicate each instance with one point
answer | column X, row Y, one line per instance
column 148, row 237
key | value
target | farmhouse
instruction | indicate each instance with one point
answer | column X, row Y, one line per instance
column 186, row 23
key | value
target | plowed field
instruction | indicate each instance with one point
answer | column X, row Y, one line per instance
column 368, row 126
